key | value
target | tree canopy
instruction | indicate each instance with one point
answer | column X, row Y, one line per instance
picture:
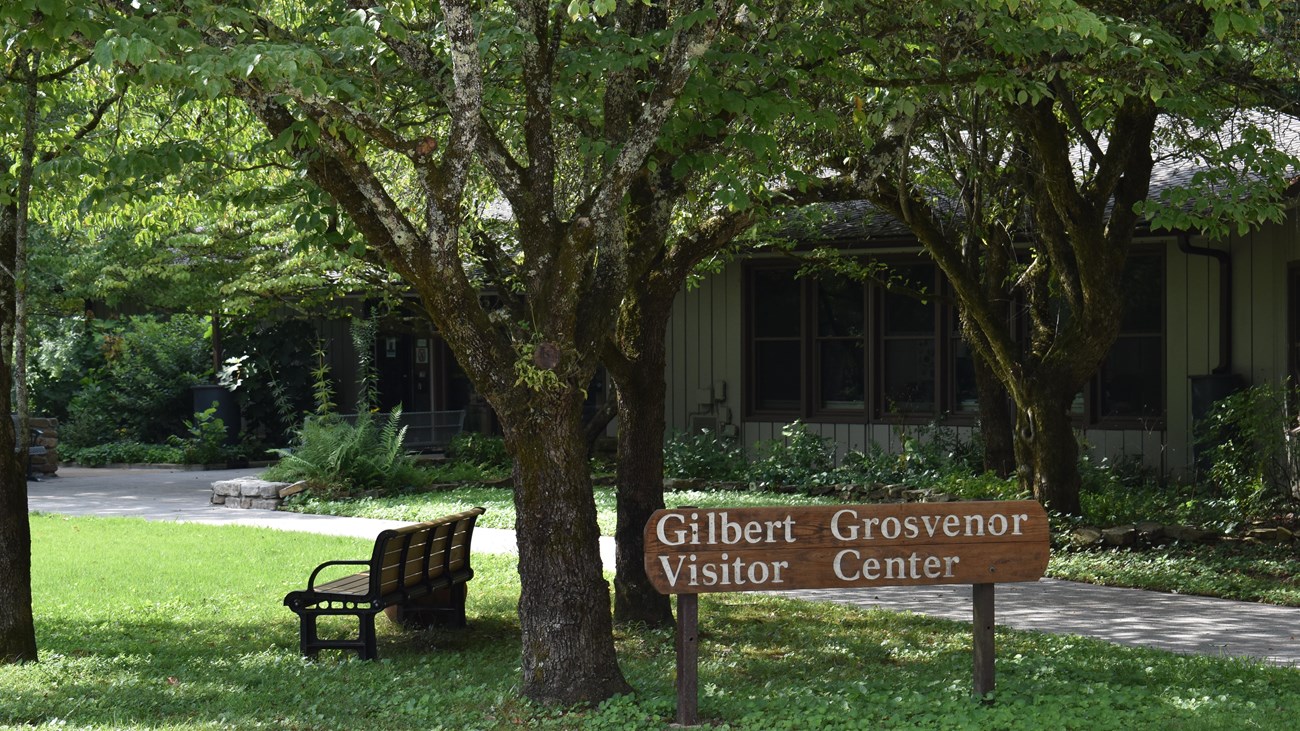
column 545, row 176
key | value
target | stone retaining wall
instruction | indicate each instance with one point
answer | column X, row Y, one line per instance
column 249, row 492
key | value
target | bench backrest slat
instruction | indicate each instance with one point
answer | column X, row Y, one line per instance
column 408, row 556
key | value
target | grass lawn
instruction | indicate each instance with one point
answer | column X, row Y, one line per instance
column 1258, row 573
column 166, row 626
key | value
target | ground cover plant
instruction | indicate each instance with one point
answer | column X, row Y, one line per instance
column 1247, row 572
column 191, row 640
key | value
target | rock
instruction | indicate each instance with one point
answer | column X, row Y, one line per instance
column 1150, row 530
column 676, row 483
column 1268, row 535
column 1188, row 534
column 226, row 487
column 1151, row 533
column 1085, row 536
column 1122, row 536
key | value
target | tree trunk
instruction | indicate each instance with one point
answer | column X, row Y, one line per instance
column 17, row 628
column 564, row 608
column 1047, row 451
column 996, row 420
column 641, row 393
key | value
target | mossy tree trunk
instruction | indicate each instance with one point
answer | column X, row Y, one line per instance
column 564, row 606
column 637, row 366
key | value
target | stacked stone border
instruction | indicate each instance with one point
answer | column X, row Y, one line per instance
column 252, row 493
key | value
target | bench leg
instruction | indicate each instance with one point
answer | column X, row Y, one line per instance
column 369, row 649
column 457, row 604
column 307, row 639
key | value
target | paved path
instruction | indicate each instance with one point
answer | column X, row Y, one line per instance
column 1126, row 616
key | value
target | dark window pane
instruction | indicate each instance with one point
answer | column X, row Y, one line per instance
column 965, row 392
column 840, row 308
column 908, row 376
column 775, row 296
column 776, row 375
column 843, row 374
column 1144, row 295
column 1131, row 385
column 903, row 314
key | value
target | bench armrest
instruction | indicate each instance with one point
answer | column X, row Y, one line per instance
column 311, row 582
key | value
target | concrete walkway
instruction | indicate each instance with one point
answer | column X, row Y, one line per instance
column 1126, row 616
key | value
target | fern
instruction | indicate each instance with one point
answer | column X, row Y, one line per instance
column 337, row 458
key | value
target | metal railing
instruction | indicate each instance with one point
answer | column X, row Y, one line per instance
column 425, row 430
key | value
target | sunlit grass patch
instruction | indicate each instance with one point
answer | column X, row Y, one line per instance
column 164, row 626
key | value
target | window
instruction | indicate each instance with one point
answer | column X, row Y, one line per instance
column 837, row 349
column 1131, row 384
column 832, row 349
column 776, row 327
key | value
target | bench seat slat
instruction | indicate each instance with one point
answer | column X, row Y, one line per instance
column 354, row 585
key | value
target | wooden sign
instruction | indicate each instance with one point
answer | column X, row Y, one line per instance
column 689, row 551
column 693, row 551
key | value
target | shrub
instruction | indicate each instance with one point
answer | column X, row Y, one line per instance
column 206, row 443
column 801, row 457
column 481, row 450
column 1251, row 441
column 61, row 351
column 127, row 452
column 336, row 457
column 704, row 455
column 271, row 376
column 140, row 389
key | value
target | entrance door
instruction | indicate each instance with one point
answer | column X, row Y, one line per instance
column 403, row 378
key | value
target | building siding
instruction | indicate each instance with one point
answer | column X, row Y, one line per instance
column 705, row 339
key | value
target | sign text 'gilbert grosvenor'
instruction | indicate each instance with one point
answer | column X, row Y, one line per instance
column 692, row 551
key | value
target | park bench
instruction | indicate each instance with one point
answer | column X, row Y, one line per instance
column 424, row 566
column 34, row 449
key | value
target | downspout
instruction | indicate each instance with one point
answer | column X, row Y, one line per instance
column 1225, row 298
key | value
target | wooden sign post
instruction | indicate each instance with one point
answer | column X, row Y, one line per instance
column 691, row 551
